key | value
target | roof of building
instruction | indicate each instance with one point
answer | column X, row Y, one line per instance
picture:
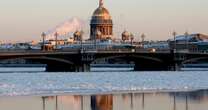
column 196, row 37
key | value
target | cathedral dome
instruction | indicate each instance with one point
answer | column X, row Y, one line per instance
column 101, row 13
column 101, row 21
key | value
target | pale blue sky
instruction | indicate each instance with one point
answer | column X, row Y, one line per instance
column 26, row 19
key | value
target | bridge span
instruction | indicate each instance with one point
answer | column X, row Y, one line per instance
column 80, row 60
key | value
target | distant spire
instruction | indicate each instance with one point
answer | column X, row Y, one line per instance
column 101, row 3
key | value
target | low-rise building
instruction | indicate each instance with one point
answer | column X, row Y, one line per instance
column 159, row 45
column 194, row 42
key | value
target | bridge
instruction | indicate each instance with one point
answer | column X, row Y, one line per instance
column 80, row 60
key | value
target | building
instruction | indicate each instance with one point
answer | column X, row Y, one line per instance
column 101, row 35
column 78, row 36
column 101, row 22
column 125, row 36
column 158, row 45
column 192, row 42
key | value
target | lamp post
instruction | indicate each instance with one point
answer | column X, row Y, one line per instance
column 56, row 39
column 81, row 38
column 186, row 37
column 132, row 38
column 43, row 43
column 174, row 52
column 95, row 41
column 143, row 37
column 174, row 48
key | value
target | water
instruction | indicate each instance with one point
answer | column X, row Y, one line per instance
column 197, row 100
column 118, row 90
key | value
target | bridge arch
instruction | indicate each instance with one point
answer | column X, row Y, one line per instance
column 141, row 62
column 42, row 59
column 191, row 60
column 53, row 64
column 130, row 58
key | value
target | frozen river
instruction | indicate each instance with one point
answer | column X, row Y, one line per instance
column 31, row 89
column 18, row 83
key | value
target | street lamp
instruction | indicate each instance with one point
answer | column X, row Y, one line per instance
column 81, row 38
column 143, row 37
column 132, row 38
column 186, row 37
column 43, row 37
column 174, row 48
column 56, row 38
column 95, row 40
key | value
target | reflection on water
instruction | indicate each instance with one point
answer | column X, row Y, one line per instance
column 197, row 100
column 102, row 102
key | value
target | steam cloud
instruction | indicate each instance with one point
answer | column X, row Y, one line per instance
column 66, row 27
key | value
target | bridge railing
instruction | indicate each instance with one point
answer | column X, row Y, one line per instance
column 17, row 51
column 184, row 51
column 104, row 50
column 34, row 51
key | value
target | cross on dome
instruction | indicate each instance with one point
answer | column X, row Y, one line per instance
column 101, row 3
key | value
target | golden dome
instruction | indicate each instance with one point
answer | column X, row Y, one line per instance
column 101, row 24
column 101, row 11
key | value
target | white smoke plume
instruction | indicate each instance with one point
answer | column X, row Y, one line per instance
column 66, row 28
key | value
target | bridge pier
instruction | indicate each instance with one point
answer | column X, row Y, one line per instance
column 177, row 61
column 176, row 67
column 59, row 68
column 82, row 68
column 68, row 68
column 150, row 66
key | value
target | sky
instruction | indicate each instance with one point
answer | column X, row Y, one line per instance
column 25, row 20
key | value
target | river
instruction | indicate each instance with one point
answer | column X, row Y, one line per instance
column 21, row 89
